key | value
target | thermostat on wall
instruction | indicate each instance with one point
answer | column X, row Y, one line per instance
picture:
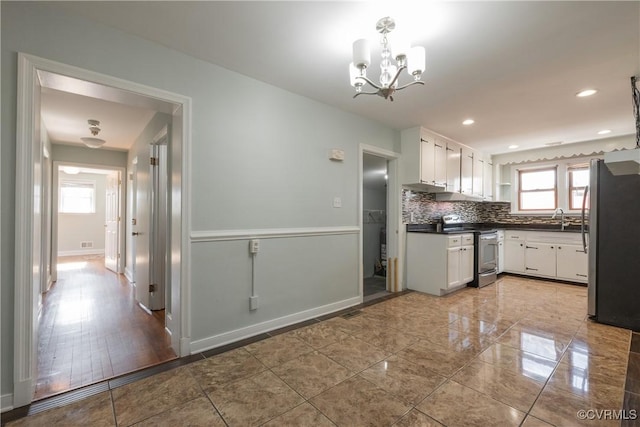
column 337, row 154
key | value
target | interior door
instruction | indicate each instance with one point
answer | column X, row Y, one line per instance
column 112, row 221
column 141, row 229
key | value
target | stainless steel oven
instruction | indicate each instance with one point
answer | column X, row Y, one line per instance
column 486, row 259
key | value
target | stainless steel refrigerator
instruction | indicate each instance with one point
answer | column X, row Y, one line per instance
column 614, row 247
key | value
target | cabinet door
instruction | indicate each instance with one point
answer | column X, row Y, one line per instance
column 487, row 180
column 440, row 163
column 478, row 171
column 540, row 259
column 466, row 264
column 453, row 266
column 514, row 256
column 500, row 257
column 572, row 263
column 453, row 167
column 466, row 171
column 427, row 161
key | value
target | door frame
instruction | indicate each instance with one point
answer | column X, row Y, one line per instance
column 25, row 314
column 54, row 212
column 394, row 218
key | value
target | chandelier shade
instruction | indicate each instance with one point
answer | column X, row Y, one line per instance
column 406, row 57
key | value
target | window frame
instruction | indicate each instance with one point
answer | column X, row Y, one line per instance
column 88, row 182
column 555, row 188
column 570, row 187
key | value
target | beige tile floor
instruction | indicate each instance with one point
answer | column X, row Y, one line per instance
column 519, row 352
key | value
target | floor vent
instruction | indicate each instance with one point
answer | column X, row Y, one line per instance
column 351, row 314
column 86, row 244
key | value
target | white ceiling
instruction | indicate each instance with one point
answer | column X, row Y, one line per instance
column 514, row 67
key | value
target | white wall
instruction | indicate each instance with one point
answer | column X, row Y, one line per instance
column 76, row 228
column 259, row 161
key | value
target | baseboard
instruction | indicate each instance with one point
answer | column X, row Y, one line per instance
column 270, row 325
column 6, row 402
column 81, row 252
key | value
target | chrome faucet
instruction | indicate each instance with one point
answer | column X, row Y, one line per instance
column 562, row 223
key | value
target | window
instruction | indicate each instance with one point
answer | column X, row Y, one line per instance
column 538, row 189
column 578, row 180
column 77, row 197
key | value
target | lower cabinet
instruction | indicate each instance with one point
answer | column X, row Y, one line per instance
column 572, row 263
column 439, row 263
column 555, row 255
column 540, row 259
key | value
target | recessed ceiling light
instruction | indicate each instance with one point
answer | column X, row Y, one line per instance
column 512, row 146
column 468, row 122
column 586, row 92
column 551, row 144
column 604, row 131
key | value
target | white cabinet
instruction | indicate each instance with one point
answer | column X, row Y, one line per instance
column 500, row 267
column 556, row 255
column 421, row 152
column 440, row 163
column 540, row 259
column 439, row 263
column 477, row 173
column 487, row 180
column 572, row 263
column 514, row 252
column 453, row 167
column 466, row 171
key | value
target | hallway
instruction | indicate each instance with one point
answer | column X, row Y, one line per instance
column 91, row 328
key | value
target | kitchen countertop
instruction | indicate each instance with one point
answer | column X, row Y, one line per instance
column 470, row 228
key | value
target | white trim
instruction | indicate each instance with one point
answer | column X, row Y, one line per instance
column 272, row 233
column 81, row 252
column 6, row 402
column 25, row 335
column 270, row 325
column 395, row 231
column 128, row 274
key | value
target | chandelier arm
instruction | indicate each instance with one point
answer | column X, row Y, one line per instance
column 410, row 84
column 369, row 81
column 395, row 79
column 366, row 93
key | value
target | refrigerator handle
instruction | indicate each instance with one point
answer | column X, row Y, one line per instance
column 582, row 223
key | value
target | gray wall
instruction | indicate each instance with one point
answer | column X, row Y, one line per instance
column 259, row 160
column 85, row 155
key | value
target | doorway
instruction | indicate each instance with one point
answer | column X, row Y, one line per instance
column 34, row 74
column 380, row 266
column 374, row 226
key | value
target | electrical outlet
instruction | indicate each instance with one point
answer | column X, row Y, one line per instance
column 253, row 302
column 337, row 202
column 254, row 246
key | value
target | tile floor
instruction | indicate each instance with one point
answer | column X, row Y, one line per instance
column 518, row 352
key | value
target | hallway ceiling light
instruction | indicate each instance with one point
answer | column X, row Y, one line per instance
column 604, row 131
column 70, row 170
column 94, row 128
column 407, row 58
column 468, row 122
column 586, row 92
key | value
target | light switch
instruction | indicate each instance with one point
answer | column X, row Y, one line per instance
column 337, row 155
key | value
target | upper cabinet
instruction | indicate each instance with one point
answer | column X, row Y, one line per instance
column 437, row 164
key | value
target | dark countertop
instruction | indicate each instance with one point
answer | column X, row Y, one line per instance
column 471, row 227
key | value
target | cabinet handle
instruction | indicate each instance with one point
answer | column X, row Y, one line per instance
column 580, row 250
column 528, row 268
column 581, row 275
column 559, row 247
column 531, row 247
column 439, row 146
column 551, row 247
column 520, row 244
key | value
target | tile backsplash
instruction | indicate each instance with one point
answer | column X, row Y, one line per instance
column 426, row 210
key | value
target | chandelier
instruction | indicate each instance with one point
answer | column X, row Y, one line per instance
column 407, row 58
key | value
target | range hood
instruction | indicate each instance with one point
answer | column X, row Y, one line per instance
column 457, row 197
column 623, row 162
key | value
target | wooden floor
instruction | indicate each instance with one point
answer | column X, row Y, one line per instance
column 91, row 328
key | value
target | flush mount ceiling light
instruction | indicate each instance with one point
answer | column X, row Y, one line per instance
column 468, row 122
column 70, row 170
column 586, row 92
column 407, row 58
column 604, row 131
column 513, row 146
column 94, row 128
